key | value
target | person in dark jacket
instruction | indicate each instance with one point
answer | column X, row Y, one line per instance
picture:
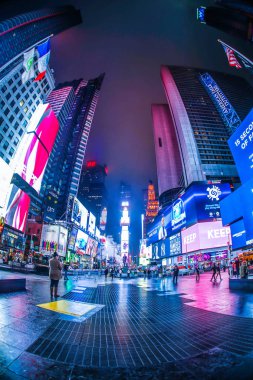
column 175, row 274
column 218, row 271
column 214, row 270
column 55, row 269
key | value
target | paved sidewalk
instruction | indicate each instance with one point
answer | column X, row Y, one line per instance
column 146, row 328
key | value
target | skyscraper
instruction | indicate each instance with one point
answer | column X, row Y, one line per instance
column 233, row 17
column 74, row 104
column 205, row 108
column 19, row 33
column 169, row 172
column 92, row 191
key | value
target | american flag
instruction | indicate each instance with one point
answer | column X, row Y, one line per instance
column 231, row 56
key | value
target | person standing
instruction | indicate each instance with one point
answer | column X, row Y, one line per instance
column 120, row 273
column 55, row 269
column 106, row 273
column 237, row 265
column 218, row 271
column 175, row 274
column 128, row 273
column 197, row 272
column 112, row 273
column 214, row 269
column 65, row 268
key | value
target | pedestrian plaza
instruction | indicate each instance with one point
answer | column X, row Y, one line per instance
column 126, row 329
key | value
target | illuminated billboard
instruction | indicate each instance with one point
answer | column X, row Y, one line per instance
column 200, row 202
column 175, row 244
column 92, row 223
column 79, row 214
column 238, row 234
column 241, row 146
column 53, row 238
column 30, row 162
column 81, row 242
column 91, row 248
column 205, row 236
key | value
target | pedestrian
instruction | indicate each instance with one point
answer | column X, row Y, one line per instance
column 244, row 270
column 120, row 273
column 112, row 273
column 218, row 272
column 55, row 269
column 65, row 268
column 237, row 265
column 234, row 268
column 230, row 270
column 128, row 273
column 214, row 272
column 197, row 272
column 106, row 273
column 175, row 274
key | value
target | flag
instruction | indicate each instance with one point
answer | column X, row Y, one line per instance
column 247, row 64
column 43, row 51
column 28, row 64
column 231, row 57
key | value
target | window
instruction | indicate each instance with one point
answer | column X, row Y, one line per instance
column 15, row 126
column 20, row 132
column 1, row 120
column 6, row 144
column 25, row 109
column 5, row 128
column 16, row 110
column 1, row 137
column 15, row 142
column 21, row 102
column 7, row 111
column 11, row 134
column 160, row 142
column 11, row 118
column 12, row 103
column 11, row 152
column 10, row 82
column 8, row 96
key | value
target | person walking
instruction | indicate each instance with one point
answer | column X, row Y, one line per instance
column 55, row 269
column 197, row 272
column 214, row 272
column 237, row 265
column 106, row 273
column 112, row 272
column 120, row 273
column 218, row 272
column 128, row 273
column 65, row 268
column 175, row 274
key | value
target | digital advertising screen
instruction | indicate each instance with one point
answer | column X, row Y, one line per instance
column 81, row 242
column 53, row 238
column 240, row 205
column 79, row 214
column 30, row 162
column 200, row 202
column 92, row 223
column 72, row 238
column 238, row 234
column 92, row 246
column 175, row 244
column 204, row 236
column 241, row 146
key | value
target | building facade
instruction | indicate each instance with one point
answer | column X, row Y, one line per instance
column 92, row 191
column 19, row 33
column 198, row 118
column 74, row 104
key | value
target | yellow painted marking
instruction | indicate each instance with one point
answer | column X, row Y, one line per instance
column 76, row 309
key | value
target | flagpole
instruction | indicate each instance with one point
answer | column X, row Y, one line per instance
column 24, row 51
column 240, row 54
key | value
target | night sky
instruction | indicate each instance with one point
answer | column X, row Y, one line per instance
column 129, row 40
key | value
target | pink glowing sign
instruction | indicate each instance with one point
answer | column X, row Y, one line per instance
column 204, row 236
column 32, row 159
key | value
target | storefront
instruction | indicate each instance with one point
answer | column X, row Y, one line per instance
column 12, row 245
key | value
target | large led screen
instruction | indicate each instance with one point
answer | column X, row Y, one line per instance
column 81, row 242
column 53, row 238
column 201, row 202
column 238, row 234
column 204, row 236
column 91, row 248
column 79, row 214
column 30, row 162
column 241, row 146
column 175, row 244
column 92, row 223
